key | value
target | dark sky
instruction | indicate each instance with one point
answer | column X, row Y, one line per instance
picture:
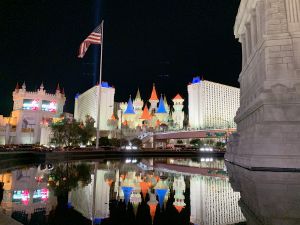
column 162, row 41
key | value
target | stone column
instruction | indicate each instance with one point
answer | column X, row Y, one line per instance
column 244, row 49
column 293, row 15
column 293, row 18
column 253, row 28
column 260, row 19
column 248, row 40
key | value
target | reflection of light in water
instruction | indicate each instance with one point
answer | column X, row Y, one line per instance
column 206, row 159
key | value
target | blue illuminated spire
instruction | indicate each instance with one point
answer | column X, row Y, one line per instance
column 161, row 106
column 127, row 192
column 161, row 196
column 129, row 109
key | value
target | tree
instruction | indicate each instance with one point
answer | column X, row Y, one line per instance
column 69, row 132
column 104, row 141
column 123, row 142
column 65, row 177
column 66, row 132
column 196, row 142
column 220, row 145
column 210, row 142
column 114, row 142
column 88, row 131
column 179, row 142
column 137, row 142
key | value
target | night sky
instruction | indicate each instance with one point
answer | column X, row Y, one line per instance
column 162, row 41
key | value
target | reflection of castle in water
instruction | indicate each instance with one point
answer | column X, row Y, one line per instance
column 26, row 195
column 212, row 200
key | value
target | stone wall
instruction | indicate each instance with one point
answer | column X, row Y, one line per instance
column 268, row 120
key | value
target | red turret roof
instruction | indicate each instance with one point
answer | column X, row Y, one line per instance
column 146, row 115
column 154, row 94
column 113, row 117
column 179, row 208
column 178, row 97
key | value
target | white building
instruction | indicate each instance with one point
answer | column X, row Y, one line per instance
column 86, row 104
column 30, row 110
column 213, row 202
column 212, row 105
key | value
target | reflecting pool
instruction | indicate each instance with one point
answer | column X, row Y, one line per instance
column 133, row 191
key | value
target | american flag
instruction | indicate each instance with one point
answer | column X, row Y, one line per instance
column 94, row 38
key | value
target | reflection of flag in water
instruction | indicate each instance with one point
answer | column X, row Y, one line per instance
column 94, row 38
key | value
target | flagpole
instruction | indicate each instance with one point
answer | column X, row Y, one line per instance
column 99, row 90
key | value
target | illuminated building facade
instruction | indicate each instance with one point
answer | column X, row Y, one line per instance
column 212, row 105
column 86, row 104
column 136, row 113
column 31, row 109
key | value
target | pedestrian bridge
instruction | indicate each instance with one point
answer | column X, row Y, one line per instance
column 193, row 134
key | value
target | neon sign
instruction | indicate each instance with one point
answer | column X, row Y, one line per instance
column 49, row 106
column 21, row 197
column 30, row 104
column 40, row 195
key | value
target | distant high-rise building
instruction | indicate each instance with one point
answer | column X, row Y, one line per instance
column 212, row 105
column 86, row 104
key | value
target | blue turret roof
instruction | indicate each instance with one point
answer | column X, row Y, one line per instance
column 161, row 106
column 129, row 109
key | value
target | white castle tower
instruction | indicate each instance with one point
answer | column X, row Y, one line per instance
column 30, row 109
column 138, row 103
column 178, row 114
column 153, row 100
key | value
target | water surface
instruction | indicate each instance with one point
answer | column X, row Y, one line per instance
column 131, row 191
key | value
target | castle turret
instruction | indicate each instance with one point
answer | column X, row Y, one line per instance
column 24, row 86
column 138, row 102
column 129, row 114
column 166, row 104
column 130, row 108
column 161, row 112
column 58, row 89
column 17, row 87
column 145, row 115
column 153, row 100
column 178, row 114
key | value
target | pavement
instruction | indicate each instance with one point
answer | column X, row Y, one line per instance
column 6, row 220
